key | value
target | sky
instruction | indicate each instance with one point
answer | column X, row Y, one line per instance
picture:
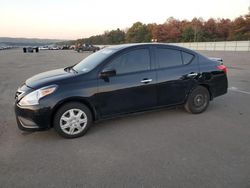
column 73, row 19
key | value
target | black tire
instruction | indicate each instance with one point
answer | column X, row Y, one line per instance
column 198, row 100
column 64, row 109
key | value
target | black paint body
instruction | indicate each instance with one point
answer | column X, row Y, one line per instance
column 121, row 94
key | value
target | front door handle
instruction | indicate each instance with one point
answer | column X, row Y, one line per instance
column 146, row 80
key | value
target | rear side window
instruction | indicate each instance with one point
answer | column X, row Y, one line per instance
column 187, row 57
column 133, row 61
column 168, row 57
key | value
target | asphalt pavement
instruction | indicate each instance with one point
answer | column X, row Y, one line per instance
column 163, row 148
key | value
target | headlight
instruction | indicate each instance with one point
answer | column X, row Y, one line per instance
column 33, row 97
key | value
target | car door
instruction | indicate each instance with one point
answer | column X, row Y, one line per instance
column 177, row 71
column 132, row 88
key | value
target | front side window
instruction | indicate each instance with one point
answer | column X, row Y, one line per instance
column 133, row 61
column 168, row 57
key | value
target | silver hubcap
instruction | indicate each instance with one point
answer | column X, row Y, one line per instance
column 73, row 121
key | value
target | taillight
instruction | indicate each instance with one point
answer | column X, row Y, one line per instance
column 223, row 68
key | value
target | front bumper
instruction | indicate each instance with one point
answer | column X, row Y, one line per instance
column 31, row 118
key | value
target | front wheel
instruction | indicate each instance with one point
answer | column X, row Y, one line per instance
column 198, row 100
column 72, row 120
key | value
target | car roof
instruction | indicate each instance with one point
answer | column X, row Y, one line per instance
column 124, row 46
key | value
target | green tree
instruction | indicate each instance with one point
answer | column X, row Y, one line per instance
column 188, row 34
column 138, row 33
column 116, row 37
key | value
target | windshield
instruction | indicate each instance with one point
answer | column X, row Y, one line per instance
column 90, row 62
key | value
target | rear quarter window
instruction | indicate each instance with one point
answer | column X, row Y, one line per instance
column 187, row 57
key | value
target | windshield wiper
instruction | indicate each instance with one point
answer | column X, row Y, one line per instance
column 73, row 70
column 68, row 69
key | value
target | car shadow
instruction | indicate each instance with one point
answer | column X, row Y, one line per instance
column 108, row 125
column 124, row 122
column 140, row 118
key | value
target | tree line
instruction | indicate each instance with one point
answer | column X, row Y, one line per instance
column 174, row 30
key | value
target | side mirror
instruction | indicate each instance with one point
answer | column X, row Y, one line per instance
column 107, row 73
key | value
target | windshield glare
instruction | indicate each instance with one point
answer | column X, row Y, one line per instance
column 90, row 62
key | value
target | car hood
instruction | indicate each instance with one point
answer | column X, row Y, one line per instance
column 47, row 78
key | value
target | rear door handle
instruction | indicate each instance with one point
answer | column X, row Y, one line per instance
column 146, row 80
column 192, row 74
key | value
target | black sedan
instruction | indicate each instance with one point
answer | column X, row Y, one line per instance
column 118, row 80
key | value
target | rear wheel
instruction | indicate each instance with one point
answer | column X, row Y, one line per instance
column 198, row 100
column 72, row 120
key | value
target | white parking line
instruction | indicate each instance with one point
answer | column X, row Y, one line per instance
column 238, row 90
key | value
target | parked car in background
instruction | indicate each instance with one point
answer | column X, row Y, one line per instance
column 118, row 80
column 65, row 47
column 31, row 49
column 43, row 48
column 87, row 47
column 54, row 48
column 7, row 47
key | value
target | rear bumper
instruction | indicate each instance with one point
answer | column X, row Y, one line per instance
column 219, row 86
